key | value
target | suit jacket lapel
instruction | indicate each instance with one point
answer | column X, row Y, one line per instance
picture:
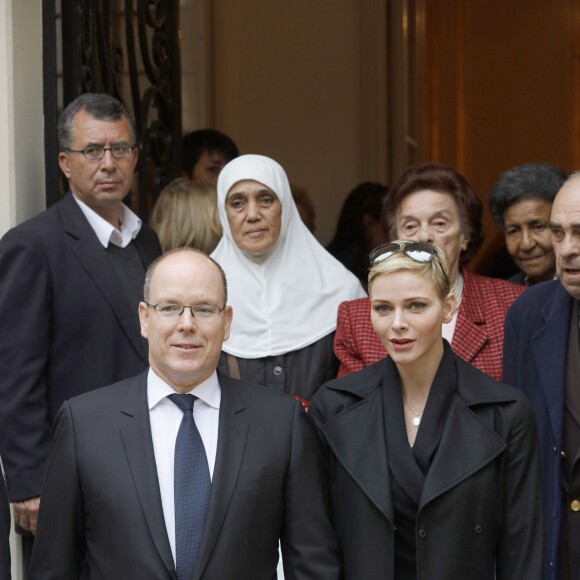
column 467, row 444
column 470, row 335
column 93, row 258
column 141, row 457
column 357, row 438
column 549, row 346
column 233, row 432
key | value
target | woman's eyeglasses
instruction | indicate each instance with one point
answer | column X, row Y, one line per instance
column 417, row 251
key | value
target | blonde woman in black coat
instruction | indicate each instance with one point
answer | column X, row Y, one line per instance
column 433, row 466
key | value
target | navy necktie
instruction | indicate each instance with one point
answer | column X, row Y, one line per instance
column 191, row 488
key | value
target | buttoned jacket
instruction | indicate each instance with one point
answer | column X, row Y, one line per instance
column 535, row 355
column 480, row 512
column 101, row 499
column 65, row 328
column 478, row 337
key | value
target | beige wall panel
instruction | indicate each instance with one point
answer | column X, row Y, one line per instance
column 286, row 85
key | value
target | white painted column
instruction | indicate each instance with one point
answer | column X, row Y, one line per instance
column 22, row 187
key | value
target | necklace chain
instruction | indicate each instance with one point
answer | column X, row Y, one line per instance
column 416, row 420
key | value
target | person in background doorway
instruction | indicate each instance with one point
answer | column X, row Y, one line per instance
column 520, row 203
column 285, row 287
column 304, row 205
column 185, row 214
column 359, row 228
column 205, row 153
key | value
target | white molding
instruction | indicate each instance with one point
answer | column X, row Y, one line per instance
column 22, row 188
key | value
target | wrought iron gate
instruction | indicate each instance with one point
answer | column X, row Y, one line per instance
column 129, row 49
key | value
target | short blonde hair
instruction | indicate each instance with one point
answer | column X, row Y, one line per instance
column 186, row 215
column 435, row 270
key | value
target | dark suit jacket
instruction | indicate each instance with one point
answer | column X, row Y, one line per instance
column 535, row 353
column 101, row 495
column 66, row 328
column 478, row 337
column 480, row 504
column 4, row 532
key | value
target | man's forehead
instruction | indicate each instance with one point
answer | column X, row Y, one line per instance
column 186, row 271
column 567, row 202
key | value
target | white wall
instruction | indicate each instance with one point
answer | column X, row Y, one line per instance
column 21, row 112
column 21, row 127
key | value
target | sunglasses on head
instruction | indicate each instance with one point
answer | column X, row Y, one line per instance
column 417, row 251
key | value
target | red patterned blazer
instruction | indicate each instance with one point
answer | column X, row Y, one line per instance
column 478, row 336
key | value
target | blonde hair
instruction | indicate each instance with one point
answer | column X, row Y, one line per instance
column 435, row 270
column 186, row 215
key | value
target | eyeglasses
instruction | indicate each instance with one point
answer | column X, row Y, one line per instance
column 201, row 312
column 96, row 152
column 417, row 251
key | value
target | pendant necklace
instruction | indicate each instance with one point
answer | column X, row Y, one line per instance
column 416, row 420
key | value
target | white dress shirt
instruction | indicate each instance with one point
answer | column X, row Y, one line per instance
column 106, row 232
column 165, row 419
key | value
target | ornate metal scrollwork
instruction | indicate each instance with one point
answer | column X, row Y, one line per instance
column 130, row 49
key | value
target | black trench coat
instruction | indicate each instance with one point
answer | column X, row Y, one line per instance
column 480, row 513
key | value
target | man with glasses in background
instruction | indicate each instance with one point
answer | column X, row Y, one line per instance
column 183, row 472
column 70, row 283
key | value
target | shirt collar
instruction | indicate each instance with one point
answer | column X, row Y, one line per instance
column 106, row 232
column 208, row 391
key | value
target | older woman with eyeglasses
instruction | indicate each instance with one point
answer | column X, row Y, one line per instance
column 434, row 203
column 433, row 466
column 284, row 287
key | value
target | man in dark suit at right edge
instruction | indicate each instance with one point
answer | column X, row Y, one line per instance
column 541, row 357
column 70, row 283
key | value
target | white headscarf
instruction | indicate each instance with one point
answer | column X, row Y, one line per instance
column 290, row 299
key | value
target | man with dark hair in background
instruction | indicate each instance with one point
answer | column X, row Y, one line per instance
column 70, row 283
column 205, row 153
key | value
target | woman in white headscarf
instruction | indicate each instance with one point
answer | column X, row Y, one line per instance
column 285, row 288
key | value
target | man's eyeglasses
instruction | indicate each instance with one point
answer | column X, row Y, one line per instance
column 201, row 312
column 417, row 251
column 96, row 152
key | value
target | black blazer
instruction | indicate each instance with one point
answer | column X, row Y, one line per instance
column 101, row 495
column 480, row 511
column 535, row 362
column 66, row 328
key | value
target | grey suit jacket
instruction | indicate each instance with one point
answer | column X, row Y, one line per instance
column 101, row 499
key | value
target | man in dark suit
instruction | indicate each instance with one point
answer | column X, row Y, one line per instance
column 542, row 358
column 70, row 282
column 114, row 495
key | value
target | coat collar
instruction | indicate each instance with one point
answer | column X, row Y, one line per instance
column 94, row 260
column 549, row 346
column 470, row 334
column 466, row 444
